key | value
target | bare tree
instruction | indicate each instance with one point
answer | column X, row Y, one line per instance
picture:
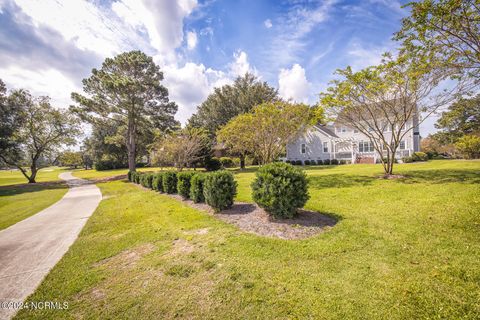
column 181, row 148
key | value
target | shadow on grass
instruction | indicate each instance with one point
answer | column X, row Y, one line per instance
column 441, row 176
column 339, row 181
column 33, row 187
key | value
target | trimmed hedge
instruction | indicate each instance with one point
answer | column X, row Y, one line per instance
column 326, row 161
column 157, row 183
column 219, row 190
column 280, row 189
column 334, row 161
column 169, row 182
column 419, row 156
column 227, row 162
column 196, row 188
column 319, row 162
column 307, row 162
column 183, row 183
column 212, row 164
column 129, row 176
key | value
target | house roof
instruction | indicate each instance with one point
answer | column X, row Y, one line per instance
column 326, row 130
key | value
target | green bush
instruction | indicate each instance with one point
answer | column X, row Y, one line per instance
column 196, row 188
column 326, row 161
column 149, row 180
column 136, row 177
column 169, row 182
column 287, row 161
column 407, row 159
column 129, row 176
column 212, row 164
column 227, row 162
column 307, row 162
column 298, row 162
column 419, row 156
column 319, row 162
column 334, row 161
column 109, row 165
column 219, row 189
column 342, row 162
column 280, row 189
column 157, row 184
column 183, row 183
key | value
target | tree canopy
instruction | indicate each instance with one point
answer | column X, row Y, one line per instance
column 38, row 133
column 231, row 100
column 127, row 90
column 446, row 31
column 265, row 131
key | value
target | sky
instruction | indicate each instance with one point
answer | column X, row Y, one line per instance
column 49, row 46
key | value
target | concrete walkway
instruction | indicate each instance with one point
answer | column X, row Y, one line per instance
column 30, row 248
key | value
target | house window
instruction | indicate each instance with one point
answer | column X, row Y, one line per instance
column 365, row 146
column 402, row 145
column 304, row 148
column 325, row 146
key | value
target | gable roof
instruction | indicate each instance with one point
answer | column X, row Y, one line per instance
column 325, row 130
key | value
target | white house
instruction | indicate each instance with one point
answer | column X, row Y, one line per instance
column 343, row 143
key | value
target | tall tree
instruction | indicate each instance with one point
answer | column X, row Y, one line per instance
column 461, row 118
column 446, row 31
column 40, row 132
column 266, row 130
column 382, row 101
column 127, row 90
column 231, row 100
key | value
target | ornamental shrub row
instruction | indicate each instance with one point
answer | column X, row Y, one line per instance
column 280, row 189
column 316, row 162
column 217, row 189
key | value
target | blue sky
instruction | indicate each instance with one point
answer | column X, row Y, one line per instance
column 49, row 46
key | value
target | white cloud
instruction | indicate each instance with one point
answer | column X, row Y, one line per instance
column 293, row 84
column 190, row 85
column 240, row 65
column 49, row 82
column 268, row 23
column 191, row 40
column 79, row 21
column 294, row 27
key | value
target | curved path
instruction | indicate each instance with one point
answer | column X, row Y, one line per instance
column 31, row 247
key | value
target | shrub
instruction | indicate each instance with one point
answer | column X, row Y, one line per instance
column 148, row 180
column 326, row 161
column 109, row 165
column 136, row 177
column 319, row 162
column 183, row 183
column 169, row 181
column 334, row 161
column 307, row 162
column 298, row 162
column 227, row 162
column 196, row 188
column 141, row 179
column 157, row 184
column 129, row 176
column 342, row 162
column 212, row 164
column 280, row 189
column 407, row 159
column 219, row 189
column 287, row 161
column 419, row 156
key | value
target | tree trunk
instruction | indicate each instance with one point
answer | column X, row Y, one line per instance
column 242, row 162
column 131, row 144
column 33, row 169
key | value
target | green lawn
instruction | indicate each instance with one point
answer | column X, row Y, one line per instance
column 19, row 200
column 402, row 249
column 11, row 177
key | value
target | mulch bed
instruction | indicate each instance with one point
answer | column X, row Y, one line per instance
column 251, row 218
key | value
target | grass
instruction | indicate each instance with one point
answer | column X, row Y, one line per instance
column 19, row 200
column 406, row 248
column 11, row 177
